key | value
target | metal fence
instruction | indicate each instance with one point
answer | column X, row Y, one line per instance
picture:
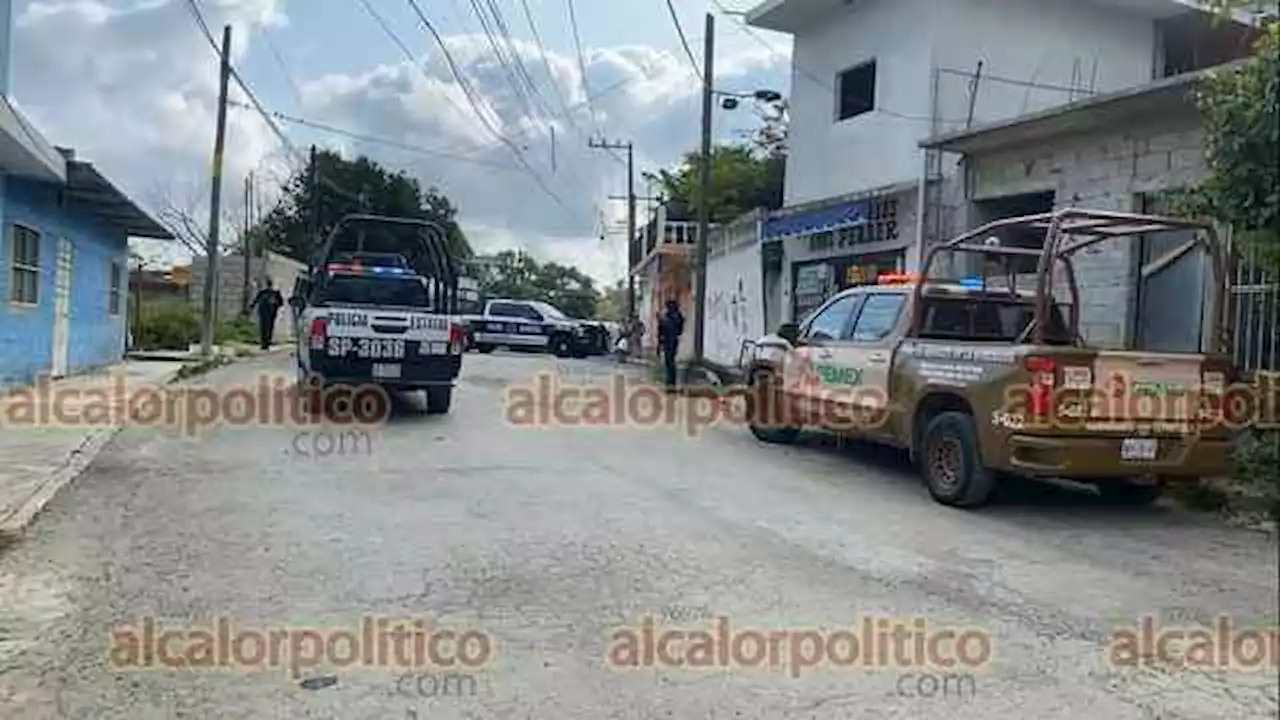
column 1255, row 308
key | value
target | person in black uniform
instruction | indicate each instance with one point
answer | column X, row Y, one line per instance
column 670, row 328
column 268, row 302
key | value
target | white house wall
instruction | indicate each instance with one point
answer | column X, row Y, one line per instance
column 1041, row 41
column 829, row 158
column 735, row 302
column 1046, row 42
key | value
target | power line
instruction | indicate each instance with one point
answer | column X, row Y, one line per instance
column 284, row 68
column 386, row 29
column 457, row 74
column 675, row 19
column 582, row 63
column 511, row 78
column 326, row 127
column 546, row 64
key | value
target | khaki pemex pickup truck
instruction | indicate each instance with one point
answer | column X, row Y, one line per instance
column 984, row 380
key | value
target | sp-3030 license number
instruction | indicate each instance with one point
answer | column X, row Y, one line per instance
column 367, row 348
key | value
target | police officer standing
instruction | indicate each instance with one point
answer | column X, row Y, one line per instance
column 670, row 328
column 268, row 302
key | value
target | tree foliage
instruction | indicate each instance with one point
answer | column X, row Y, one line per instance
column 352, row 186
column 743, row 178
column 1241, row 112
column 518, row 275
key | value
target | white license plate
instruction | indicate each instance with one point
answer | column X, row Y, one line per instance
column 1139, row 449
column 380, row 348
column 386, row 370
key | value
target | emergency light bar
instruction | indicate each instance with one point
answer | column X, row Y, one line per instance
column 896, row 278
column 357, row 269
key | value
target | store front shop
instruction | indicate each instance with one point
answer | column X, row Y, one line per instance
column 840, row 245
column 816, row 280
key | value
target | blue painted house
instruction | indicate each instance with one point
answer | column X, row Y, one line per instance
column 64, row 231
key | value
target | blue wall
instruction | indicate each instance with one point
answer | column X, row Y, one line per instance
column 97, row 338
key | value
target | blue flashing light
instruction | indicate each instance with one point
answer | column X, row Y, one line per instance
column 357, row 269
column 972, row 282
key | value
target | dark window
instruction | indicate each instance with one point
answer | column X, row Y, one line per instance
column 856, row 88
column 987, row 320
column 500, row 309
column 113, row 300
column 400, row 292
column 25, row 267
column 833, row 322
column 879, row 316
column 528, row 313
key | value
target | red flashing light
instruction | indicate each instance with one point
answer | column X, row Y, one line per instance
column 319, row 332
column 896, row 278
column 1039, row 364
column 457, row 338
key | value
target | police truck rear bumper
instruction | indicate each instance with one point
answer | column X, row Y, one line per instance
column 415, row 372
column 1101, row 458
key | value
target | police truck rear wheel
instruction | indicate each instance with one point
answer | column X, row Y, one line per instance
column 764, row 411
column 951, row 462
column 439, row 397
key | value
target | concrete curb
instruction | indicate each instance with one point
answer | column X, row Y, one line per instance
column 14, row 524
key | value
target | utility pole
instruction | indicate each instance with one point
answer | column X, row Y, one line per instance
column 313, row 187
column 704, row 193
column 245, row 244
column 212, row 277
column 631, row 214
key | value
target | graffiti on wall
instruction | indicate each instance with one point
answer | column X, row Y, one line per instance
column 734, row 304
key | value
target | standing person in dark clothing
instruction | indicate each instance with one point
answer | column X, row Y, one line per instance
column 670, row 328
column 268, row 302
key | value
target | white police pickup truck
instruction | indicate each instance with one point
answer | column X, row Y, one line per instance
column 377, row 325
column 526, row 325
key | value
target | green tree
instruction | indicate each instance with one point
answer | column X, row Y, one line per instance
column 1241, row 112
column 518, row 275
column 743, row 177
column 613, row 302
column 352, row 186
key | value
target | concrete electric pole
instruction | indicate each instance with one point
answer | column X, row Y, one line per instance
column 631, row 215
column 704, row 193
column 212, row 277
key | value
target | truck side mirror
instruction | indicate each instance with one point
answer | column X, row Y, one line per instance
column 789, row 332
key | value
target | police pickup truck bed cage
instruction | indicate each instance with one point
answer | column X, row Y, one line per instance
column 1067, row 232
column 421, row 243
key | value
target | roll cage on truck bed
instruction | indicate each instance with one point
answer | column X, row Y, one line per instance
column 428, row 254
column 1035, row 401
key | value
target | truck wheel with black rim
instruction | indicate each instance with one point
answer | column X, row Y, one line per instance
column 764, row 411
column 561, row 346
column 1126, row 492
column 951, row 462
column 439, row 397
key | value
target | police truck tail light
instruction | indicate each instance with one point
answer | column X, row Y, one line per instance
column 319, row 332
column 1043, row 378
column 456, row 338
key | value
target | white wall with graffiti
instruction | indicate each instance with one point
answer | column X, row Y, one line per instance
column 735, row 292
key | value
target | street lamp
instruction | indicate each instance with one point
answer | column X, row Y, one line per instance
column 729, row 101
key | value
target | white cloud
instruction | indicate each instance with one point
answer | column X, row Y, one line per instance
column 133, row 89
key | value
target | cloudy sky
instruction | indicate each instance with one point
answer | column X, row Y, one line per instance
column 132, row 86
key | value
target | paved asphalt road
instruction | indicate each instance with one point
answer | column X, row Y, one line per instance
column 547, row 540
